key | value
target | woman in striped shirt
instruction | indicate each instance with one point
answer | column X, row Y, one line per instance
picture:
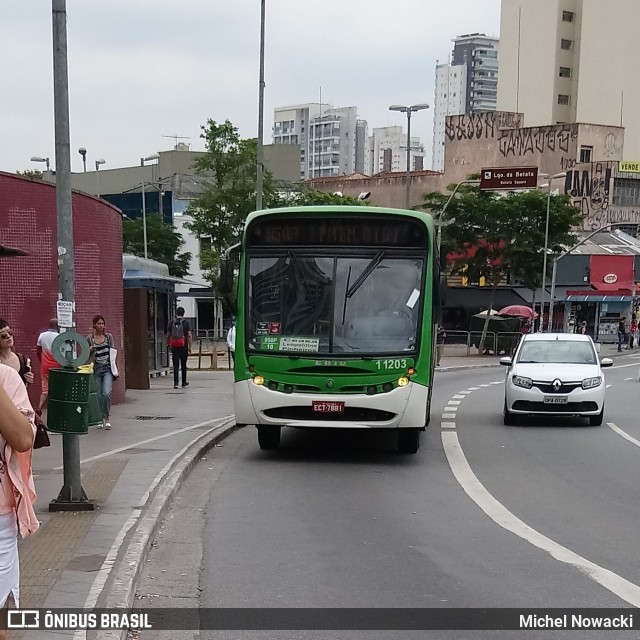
column 100, row 343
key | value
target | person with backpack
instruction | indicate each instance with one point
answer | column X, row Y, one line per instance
column 179, row 341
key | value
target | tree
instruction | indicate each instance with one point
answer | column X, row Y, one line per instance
column 309, row 197
column 163, row 243
column 31, row 173
column 499, row 236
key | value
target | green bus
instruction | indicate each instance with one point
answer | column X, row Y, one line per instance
column 335, row 326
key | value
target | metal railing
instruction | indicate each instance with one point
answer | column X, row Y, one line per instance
column 462, row 342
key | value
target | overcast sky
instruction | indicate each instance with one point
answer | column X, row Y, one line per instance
column 140, row 70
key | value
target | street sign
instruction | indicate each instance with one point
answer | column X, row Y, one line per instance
column 495, row 178
column 629, row 167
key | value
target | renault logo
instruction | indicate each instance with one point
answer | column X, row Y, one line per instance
column 329, row 384
column 556, row 384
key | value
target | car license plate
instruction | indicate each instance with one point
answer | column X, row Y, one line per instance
column 324, row 406
column 556, row 399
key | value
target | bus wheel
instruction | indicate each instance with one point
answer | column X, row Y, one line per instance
column 408, row 440
column 268, row 437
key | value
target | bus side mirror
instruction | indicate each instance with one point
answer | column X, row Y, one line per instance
column 226, row 275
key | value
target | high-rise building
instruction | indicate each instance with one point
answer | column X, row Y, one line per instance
column 388, row 151
column 565, row 61
column 332, row 141
column 468, row 84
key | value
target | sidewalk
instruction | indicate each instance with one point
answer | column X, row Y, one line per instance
column 73, row 555
column 91, row 558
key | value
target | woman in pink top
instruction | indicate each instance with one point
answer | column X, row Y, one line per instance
column 17, row 492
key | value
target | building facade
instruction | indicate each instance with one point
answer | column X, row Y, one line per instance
column 566, row 61
column 468, row 84
column 332, row 141
column 388, row 151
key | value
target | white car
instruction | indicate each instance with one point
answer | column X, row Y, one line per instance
column 555, row 374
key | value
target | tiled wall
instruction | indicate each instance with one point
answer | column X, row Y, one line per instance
column 29, row 284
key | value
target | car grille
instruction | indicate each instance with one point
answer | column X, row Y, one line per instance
column 541, row 407
column 350, row 414
column 547, row 387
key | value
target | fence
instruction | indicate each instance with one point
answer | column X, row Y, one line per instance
column 210, row 352
column 461, row 342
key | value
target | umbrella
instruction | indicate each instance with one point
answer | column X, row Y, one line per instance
column 518, row 310
column 486, row 311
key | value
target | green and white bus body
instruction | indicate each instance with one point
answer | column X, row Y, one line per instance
column 335, row 322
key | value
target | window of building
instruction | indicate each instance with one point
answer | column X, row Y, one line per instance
column 563, row 98
column 565, row 44
column 626, row 192
column 205, row 247
column 565, row 72
column 567, row 16
column 586, row 153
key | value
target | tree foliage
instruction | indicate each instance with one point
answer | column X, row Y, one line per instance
column 310, row 197
column 495, row 236
column 31, row 173
column 163, row 243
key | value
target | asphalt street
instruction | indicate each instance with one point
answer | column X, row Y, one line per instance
column 543, row 514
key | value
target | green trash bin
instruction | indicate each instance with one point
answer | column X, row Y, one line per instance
column 68, row 401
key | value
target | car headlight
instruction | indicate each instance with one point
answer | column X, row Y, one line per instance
column 589, row 383
column 521, row 381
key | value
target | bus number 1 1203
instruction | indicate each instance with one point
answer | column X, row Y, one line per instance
column 397, row 363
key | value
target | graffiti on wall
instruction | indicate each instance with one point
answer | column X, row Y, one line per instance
column 520, row 142
column 479, row 126
column 589, row 189
column 509, row 120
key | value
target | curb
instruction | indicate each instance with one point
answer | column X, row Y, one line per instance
column 462, row 367
column 120, row 590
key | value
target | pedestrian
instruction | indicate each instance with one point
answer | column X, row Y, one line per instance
column 179, row 341
column 17, row 491
column 621, row 333
column 231, row 340
column 101, row 344
column 582, row 328
column 633, row 328
column 8, row 356
column 441, row 336
column 47, row 361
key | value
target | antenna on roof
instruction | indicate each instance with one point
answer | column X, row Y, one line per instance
column 180, row 146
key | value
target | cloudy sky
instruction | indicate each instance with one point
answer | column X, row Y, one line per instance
column 141, row 70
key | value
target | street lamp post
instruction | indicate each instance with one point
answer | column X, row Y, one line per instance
column 441, row 214
column 98, row 163
column 546, row 248
column 153, row 156
column 83, row 152
column 408, row 110
column 562, row 255
column 260, row 146
column 39, row 159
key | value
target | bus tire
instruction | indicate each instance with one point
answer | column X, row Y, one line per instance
column 408, row 440
column 268, row 437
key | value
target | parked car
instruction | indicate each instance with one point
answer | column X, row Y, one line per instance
column 555, row 374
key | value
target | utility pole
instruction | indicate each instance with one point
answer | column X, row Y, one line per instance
column 72, row 496
column 260, row 150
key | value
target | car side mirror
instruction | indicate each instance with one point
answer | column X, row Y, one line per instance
column 606, row 362
column 506, row 361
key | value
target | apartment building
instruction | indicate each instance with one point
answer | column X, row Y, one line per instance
column 332, row 140
column 388, row 151
column 566, row 61
column 467, row 84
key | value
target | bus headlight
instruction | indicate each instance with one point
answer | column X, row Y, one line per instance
column 258, row 380
column 403, row 382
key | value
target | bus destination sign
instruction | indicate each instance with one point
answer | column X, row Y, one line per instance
column 500, row 178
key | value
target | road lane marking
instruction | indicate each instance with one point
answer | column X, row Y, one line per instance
column 607, row 386
column 476, row 388
column 463, row 473
column 448, row 425
column 459, row 396
column 629, row 379
column 623, row 434
column 448, row 416
column 454, row 403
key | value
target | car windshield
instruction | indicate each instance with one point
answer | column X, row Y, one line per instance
column 557, row 351
column 334, row 304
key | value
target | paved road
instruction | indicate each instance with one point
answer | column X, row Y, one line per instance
column 539, row 515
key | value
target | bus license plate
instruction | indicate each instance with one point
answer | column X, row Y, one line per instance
column 322, row 406
column 556, row 399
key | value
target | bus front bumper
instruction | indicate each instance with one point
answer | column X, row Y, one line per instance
column 404, row 407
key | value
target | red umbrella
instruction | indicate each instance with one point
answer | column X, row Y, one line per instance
column 518, row 310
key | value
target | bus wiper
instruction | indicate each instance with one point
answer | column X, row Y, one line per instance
column 365, row 274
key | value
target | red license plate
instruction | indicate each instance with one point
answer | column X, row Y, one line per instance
column 324, row 406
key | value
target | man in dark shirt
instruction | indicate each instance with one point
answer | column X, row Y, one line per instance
column 179, row 341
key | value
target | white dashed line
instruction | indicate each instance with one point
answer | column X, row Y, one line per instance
column 458, row 396
column 448, row 416
column 454, row 402
column 448, row 425
column 607, row 386
column 498, row 382
column 475, row 388
column 629, row 379
column 463, row 473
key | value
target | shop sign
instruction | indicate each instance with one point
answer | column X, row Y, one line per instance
column 610, row 278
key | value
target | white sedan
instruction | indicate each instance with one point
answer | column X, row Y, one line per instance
column 555, row 374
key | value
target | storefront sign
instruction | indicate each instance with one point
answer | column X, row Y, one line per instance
column 629, row 167
column 610, row 278
column 496, row 178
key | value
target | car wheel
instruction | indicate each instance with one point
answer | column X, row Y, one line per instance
column 509, row 419
column 408, row 440
column 268, row 437
column 596, row 421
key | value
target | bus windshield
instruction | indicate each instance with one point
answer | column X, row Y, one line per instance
column 306, row 302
